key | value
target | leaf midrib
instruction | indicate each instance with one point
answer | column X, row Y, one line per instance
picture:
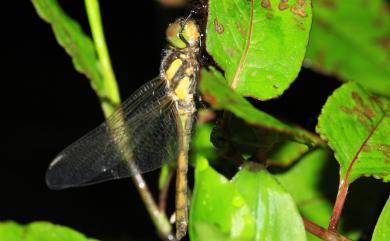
column 244, row 55
column 363, row 146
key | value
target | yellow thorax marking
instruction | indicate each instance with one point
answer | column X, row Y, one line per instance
column 171, row 71
column 189, row 71
column 182, row 88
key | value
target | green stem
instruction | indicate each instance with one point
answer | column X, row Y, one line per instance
column 111, row 98
column 110, row 101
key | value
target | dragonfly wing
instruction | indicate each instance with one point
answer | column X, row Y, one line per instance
column 137, row 138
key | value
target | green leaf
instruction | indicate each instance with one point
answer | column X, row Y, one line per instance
column 351, row 40
column 11, row 231
column 246, row 208
column 39, row 231
column 382, row 228
column 285, row 153
column 165, row 176
column 220, row 96
column 303, row 181
column 72, row 38
column 356, row 126
column 312, row 182
column 273, row 209
column 201, row 144
column 218, row 210
column 260, row 44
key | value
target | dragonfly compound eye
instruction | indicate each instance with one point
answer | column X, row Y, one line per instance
column 183, row 34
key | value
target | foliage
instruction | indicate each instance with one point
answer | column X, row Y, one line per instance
column 351, row 40
column 382, row 229
column 39, row 231
column 259, row 45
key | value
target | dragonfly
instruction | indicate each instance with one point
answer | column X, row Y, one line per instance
column 153, row 126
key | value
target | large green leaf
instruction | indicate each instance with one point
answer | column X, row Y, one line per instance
column 260, row 44
column 72, row 38
column 351, row 40
column 274, row 212
column 221, row 96
column 252, row 206
column 356, row 126
column 11, row 231
column 218, row 210
column 382, row 228
column 39, row 231
column 310, row 182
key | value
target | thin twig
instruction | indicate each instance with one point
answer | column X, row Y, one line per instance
column 162, row 203
column 159, row 219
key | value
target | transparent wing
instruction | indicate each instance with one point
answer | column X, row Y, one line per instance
column 137, row 138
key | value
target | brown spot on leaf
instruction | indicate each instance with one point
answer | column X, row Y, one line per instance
column 384, row 148
column 299, row 8
column 363, row 112
column 231, row 52
column 210, row 98
column 385, row 9
column 378, row 22
column 269, row 15
column 265, row 3
column 326, row 26
column 328, row 3
column 377, row 101
column 301, row 27
column 384, row 42
column 299, row 23
column 283, row 5
column 320, row 58
column 240, row 28
column 218, row 27
column 232, row 100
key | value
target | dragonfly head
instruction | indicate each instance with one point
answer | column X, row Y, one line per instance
column 183, row 33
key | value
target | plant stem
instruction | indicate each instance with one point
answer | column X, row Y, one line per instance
column 322, row 233
column 111, row 93
column 159, row 219
column 339, row 204
column 109, row 80
column 162, row 203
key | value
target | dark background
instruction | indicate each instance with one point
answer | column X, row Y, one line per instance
column 46, row 105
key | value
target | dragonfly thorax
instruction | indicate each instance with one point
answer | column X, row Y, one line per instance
column 180, row 65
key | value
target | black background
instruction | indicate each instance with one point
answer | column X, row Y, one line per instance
column 46, row 104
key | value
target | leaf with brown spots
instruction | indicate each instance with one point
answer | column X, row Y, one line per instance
column 357, row 127
column 351, row 40
column 260, row 44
